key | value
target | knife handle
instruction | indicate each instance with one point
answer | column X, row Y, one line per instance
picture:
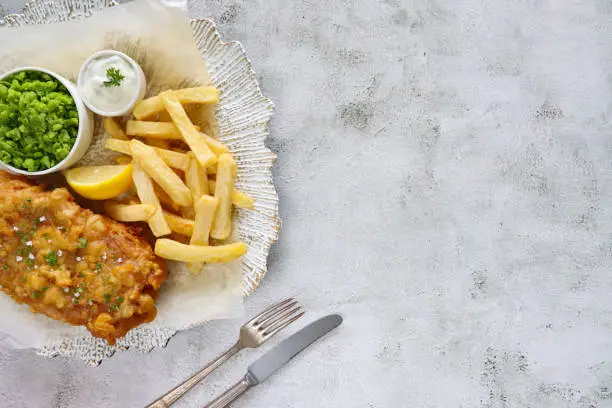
column 230, row 395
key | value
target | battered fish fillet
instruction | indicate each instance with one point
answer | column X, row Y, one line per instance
column 73, row 265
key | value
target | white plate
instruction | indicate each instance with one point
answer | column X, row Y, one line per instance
column 243, row 115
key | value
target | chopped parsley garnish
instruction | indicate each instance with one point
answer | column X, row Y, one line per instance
column 81, row 275
column 107, row 297
column 4, row 266
column 98, row 265
column 51, row 258
column 82, row 242
column 119, row 300
column 114, row 77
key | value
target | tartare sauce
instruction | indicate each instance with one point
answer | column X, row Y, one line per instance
column 110, row 83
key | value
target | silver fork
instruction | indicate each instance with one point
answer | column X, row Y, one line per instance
column 253, row 334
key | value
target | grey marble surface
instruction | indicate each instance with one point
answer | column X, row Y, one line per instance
column 445, row 172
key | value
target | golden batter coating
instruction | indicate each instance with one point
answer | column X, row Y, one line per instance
column 70, row 264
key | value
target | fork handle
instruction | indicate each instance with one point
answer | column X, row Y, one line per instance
column 230, row 395
column 181, row 389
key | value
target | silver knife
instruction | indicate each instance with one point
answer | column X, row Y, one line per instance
column 274, row 359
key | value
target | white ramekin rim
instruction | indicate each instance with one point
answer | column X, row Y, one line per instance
column 139, row 94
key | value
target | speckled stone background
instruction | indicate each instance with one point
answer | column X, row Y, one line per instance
column 445, row 174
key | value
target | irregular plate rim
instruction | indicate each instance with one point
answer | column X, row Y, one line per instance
column 252, row 278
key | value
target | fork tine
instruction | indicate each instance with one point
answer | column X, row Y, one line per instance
column 280, row 308
column 263, row 321
column 280, row 316
column 270, row 309
column 272, row 331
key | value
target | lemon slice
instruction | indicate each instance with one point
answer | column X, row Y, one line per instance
column 100, row 182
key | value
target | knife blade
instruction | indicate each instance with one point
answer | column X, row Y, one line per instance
column 280, row 355
column 276, row 358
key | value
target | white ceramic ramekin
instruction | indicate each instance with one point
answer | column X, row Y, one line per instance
column 139, row 95
column 84, row 135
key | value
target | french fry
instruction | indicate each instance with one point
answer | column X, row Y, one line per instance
column 239, row 199
column 226, row 176
column 146, row 194
column 169, row 249
column 205, row 210
column 193, row 182
column 159, row 143
column 173, row 159
column 162, row 116
column 200, row 95
column 165, row 199
column 150, row 106
column 153, row 130
column 242, row 200
column 196, row 179
column 189, row 211
column 216, row 146
column 159, row 171
column 189, row 133
column 178, row 224
column 129, row 212
column 121, row 146
column 113, row 129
